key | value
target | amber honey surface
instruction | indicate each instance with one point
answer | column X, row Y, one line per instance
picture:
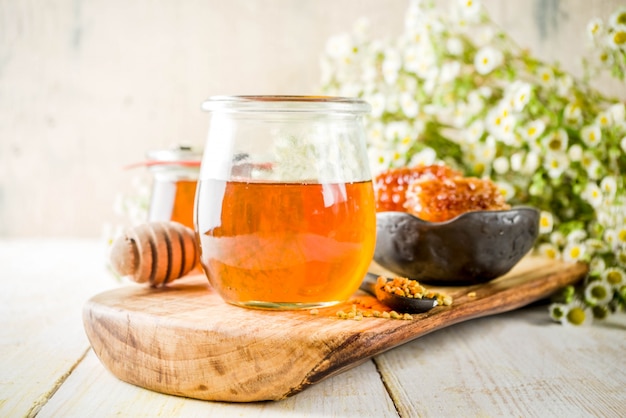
column 285, row 244
column 173, row 200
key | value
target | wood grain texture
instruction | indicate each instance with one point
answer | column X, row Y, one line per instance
column 184, row 340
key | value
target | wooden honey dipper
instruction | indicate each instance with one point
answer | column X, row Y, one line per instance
column 155, row 252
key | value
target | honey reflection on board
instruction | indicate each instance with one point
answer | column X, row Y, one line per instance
column 286, row 243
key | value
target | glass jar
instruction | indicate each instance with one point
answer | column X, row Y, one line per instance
column 285, row 211
column 175, row 177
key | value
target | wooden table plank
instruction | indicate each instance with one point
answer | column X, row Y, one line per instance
column 514, row 364
column 44, row 286
column 91, row 391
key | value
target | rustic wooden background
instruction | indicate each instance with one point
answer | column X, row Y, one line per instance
column 87, row 86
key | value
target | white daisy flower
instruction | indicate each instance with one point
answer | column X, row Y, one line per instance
column 549, row 251
column 591, row 135
column 604, row 119
column 608, row 185
column 449, row 71
column 556, row 141
column 501, row 165
column 557, row 311
column 409, row 105
column 618, row 17
column 597, row 265
column 454, row 46
column 469, row 9
column 375, row 134
column 564, row 84
column 620, row 256
column 533, row 130
column 577, row 315
column 546, row 76
column 574, row 251
column 475, row 131
column 577, row 236
column 617, row 112
column 593, row 194
column 617, row 37
column 573, row 113
column 378, row 103
column 531, row 163
column 622, row 144
column 546, row 222
column 598, row 292
column 379, row 159
column 506, row 190
column 556, row 163
column 557, row 238
column 487, row 59
column 396, row 130
column 427, row 156
column 575, row 153
column 595, row 28
column 339, row 46
column 517, row 160
column 614, row 276
column 521, row 95
column 621, row 235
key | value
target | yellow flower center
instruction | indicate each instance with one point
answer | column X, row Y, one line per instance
column 619, row 38
column 545, row 222
column 531, row 131
column 575, row 252
column 576, row 316
column 622, row 235
column 614, row 277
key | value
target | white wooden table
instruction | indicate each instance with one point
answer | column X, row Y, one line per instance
column 513, row 364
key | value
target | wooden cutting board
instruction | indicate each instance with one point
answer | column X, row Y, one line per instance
column 184, row 340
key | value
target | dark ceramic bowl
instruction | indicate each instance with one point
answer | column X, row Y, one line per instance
column 474, row 247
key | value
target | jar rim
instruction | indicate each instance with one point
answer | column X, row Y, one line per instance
column 286, row 103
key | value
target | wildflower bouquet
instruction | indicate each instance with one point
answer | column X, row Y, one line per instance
column 454, row 88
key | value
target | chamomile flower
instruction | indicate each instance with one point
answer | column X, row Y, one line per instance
column 614, row 276
column 595, row 28
column 593, row 194
column 617, row 112
column 378, row 103
column 608, row 185
column 622, row 144
column 555, row 164
column 574, row 251
column 470, row 9
column 604, row 119
column 549, row 250
column 487, row 59
column 506, row 190
column 618, row 17
column 427, row 156
column 533, row 130
column 501, row 165
column 576, row 236
column 617, row 37
column 454, row 46
column 546, row 222
column 557, row 311
column 575, row 153
column 409, row 105
column 557, row 238
column 573, row 113
column 520, row 96
column 577, row 314
column 591, row 135
column 546, row 76
column 597, row 265
column 556, row 141
column 598, row 292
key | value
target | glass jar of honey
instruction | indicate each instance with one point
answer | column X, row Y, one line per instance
column 285, row 212
column 175, row 177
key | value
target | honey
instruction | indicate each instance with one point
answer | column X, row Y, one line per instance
column 285, row 245
column 173, row 200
